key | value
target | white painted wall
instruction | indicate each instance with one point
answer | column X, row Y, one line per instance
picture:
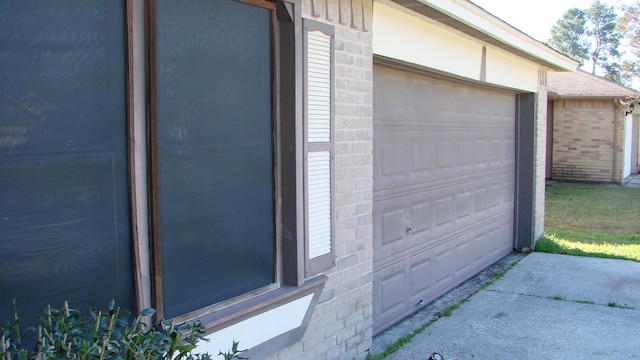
column 402, row 34
column 628, row 142
column 511, row 71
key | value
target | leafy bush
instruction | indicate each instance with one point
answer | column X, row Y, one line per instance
column 65, row 334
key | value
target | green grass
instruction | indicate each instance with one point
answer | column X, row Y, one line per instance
column 596, row 222
column 612, row 304
column 450, row 309
column 400, row 343
column 588, row 302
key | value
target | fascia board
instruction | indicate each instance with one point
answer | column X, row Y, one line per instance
column 494, row 27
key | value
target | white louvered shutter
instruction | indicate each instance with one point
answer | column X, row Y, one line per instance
column 318, row 87
column 319, row 203
column 319, row 146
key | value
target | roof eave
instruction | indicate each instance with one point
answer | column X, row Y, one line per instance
column 474, row 21
column 590, row 97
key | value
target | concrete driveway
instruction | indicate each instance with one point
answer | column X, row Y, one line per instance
column 545, row 307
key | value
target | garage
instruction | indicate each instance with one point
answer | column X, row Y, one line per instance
column 444, row 182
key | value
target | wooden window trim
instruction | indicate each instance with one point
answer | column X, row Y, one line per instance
column 136, row 253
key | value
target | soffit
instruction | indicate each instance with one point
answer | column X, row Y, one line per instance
column 460, row 15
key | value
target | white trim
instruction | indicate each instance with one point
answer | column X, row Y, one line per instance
column 257, row 329
column 628, row 141
column 483, row 21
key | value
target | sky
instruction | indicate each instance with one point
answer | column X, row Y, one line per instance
column 535, row 18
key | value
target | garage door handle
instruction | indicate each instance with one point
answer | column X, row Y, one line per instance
column 409, row 229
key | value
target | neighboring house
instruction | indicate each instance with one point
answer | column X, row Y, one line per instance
column 591, row 133
column 297, row 175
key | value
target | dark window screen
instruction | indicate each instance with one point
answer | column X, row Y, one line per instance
column 64, row 218
column 215, row 157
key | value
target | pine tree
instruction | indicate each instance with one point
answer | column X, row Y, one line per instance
column 568, row 35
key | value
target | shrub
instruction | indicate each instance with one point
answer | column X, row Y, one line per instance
column 65, row 334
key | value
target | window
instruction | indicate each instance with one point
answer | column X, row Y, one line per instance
column 219, row 132
column 64, row 203
column 215, row 152
column 233, row 207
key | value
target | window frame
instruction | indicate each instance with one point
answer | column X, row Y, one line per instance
column 124, row 88
column 288, row 173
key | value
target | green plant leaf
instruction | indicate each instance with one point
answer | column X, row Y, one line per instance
column 148, row 312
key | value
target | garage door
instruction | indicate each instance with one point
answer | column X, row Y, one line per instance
column 444, row 165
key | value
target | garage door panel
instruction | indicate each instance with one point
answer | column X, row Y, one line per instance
column 443, row 186
column 464, row 258
column 444, row 266
column 465, row 152
column 433, row 212
column 421, row 215
column 446, row 157
column 392, row 154
column 444, row 212
column 422, row 153
column 391, row 226
column 463, row 204
column 428, row 273
column 420, row 271
column 409, row 158
column 392, row 287
column 394, row 93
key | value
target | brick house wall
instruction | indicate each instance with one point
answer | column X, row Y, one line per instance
column 341, row 326
column 539, row 181
column 588, row 143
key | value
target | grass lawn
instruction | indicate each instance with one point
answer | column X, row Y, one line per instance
column 592, row 221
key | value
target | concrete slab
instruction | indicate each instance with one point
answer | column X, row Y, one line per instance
column 546, row 307
column 603, row 281
column 633, row 181
column 496, row 325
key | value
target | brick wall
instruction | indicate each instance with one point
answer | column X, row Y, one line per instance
column 540, row 158
column 341, row 327
column 586, row 144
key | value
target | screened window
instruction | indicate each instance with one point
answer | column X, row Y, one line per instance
column 215, row 208
column 64, row 210
column 239, row 199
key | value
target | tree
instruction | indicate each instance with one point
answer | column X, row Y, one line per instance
column 602, row 29
column 568, row 35
column 629, row 26
column 590, row 36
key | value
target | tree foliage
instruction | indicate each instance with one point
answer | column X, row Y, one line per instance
column 605, row 54
column 568, row 35
column 590, row 35
column 629, row 26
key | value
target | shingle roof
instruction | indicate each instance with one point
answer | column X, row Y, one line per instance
column 580, row 84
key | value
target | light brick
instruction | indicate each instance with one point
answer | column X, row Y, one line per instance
column 584, row 138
